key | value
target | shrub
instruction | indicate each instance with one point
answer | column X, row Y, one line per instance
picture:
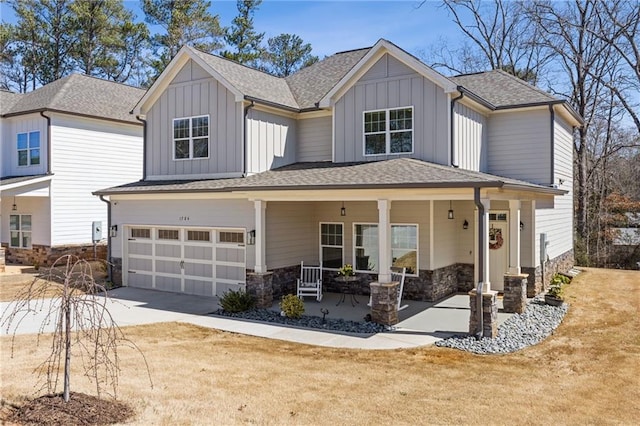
column 292, row 306
column 559, row 279
column 237, row 301
column 556, row 291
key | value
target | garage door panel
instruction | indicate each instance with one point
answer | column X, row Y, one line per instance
column 173, row 284
column 198, row 269
column 168, row 250
column 222, row 288
column 197, row 287
column 145, row 249
column 230, row 272
column 140, row 264
column 168, row 267
column 140, row 280
column 230, row 254
column 198, row 253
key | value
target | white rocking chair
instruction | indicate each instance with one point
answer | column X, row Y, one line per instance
column 396, row 276
column 310, row 282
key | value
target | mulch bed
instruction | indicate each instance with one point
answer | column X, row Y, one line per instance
column 81, row 409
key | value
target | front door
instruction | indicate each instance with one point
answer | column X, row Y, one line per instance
column 498, row 248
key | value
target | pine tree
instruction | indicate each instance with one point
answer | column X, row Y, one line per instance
column 242, row 37
column 286, row 54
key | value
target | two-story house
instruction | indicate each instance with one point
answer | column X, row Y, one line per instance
column 368, row 157
column 60, row 142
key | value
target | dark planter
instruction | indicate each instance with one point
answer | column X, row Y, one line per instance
column 552, row 300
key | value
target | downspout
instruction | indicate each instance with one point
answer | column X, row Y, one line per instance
column 552, row 140
column 109, row 263
column 454, row 162
column 481, row 250
column 144, row 145
column 48, row 141
column 244, row 142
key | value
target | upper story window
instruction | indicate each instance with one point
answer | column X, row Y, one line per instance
column 29, row 148
column 191, row 137
column 388, row 131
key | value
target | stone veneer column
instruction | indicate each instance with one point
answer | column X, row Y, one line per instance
column 489, row 313
column 384, row 302
column 261, row 287
column 515, row 293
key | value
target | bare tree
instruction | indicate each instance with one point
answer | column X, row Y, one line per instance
column 81, row 318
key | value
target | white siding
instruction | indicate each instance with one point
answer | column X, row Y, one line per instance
column 271, row 141
column 557, row 222
column 206, row 213
column 470, row 130
column 314, row 139
column 519, row 145
column 10, row 129
column 390, row 84
column 186, row 98
column 88, row 155
column 37, row 207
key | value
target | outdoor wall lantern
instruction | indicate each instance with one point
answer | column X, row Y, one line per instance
column 450, row 214
column 521, row 226
column 465, row 224
column 343, row 211
column 251, row 237
column 113, row 231
column 14, row 207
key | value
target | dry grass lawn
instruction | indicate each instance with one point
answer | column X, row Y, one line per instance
column 586, row 373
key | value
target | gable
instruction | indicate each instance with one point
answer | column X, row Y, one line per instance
column 189, row 72
column 387, row 67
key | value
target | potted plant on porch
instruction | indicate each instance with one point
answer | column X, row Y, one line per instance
column 555, row 295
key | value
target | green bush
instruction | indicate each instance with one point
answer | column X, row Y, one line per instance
column 292, row 306
column 556, row 291
column 559, row 279
column 237, row 301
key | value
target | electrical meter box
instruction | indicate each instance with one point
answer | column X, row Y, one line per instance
column 543, row 246
column 96, row 231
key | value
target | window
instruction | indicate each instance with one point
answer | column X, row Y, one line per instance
column 404, row 247
column 231, row 237
column 28, row 149
column 140, row 233
column 191, row 137
column 168, row 234
column 365, row 237
column 20, row 229
column 331, row 245
column 198, row 236
column 388, row 131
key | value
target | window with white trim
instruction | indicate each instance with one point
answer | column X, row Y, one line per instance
column 20, row 230
column 365, row 247
column 404, row 247
column 28, row 148
column 331, row 245
column 191, row 137
column 388, row 131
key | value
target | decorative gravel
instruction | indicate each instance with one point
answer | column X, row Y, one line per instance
column 535, row 324
column 307, row 321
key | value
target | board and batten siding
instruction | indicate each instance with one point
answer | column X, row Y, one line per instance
column 557, row 222
column 271, row 141
column 88, row 155
column 470, row 130
column 314, row 139
column 193, row 93
column 179, row 213
column 519, row 145
column 391, row 84
column 22, row 124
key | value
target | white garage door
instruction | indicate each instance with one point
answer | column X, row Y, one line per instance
column 202, row 261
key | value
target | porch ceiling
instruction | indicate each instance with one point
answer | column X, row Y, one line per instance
column 16, row 185
column 400, row 173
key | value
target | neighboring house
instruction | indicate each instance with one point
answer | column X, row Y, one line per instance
column 367, row 157
column 60, row 142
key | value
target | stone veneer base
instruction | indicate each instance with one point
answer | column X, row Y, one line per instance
column 561, row 263
column 489, row 313
column 46, row 256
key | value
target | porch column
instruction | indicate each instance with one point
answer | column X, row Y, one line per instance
column 485, row 232
column 514, row 237
column 384, row 241
column 261, row 229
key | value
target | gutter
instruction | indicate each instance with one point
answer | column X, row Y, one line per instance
column 244, row 136
column 76, row 114
column 109, row 263
column 144, row 145
column 481, row 250
column 452, row 143
column 552, row 142
column 48, row 141
column 271, row 104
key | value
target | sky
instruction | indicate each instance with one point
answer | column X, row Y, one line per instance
column 335, row 26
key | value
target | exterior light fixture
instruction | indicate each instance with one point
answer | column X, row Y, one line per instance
column 465, row 224
column 14, row 207
column 113, row 231
column 251, row 237
column 521, row 226
column 450, row 213
column 343, row 211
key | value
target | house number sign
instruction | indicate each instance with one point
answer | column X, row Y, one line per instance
column 183, row 218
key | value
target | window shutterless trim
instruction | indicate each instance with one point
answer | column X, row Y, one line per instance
column 417, row 249
column 354, row 247
column 191, row 138
column 387, row 132
column 328, row 245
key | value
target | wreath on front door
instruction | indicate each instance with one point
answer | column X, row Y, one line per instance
column 495, row 235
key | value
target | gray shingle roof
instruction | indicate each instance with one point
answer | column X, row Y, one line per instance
column 502, row 89
column 7, row 100
column 310, row 84
column 396, row 173
column 251, row 82
column 82, row 95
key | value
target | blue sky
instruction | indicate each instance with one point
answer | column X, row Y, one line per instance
column 334, row 26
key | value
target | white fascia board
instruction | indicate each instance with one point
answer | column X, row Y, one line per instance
column 169, row 73
column 30, row 182
column 368, row 60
